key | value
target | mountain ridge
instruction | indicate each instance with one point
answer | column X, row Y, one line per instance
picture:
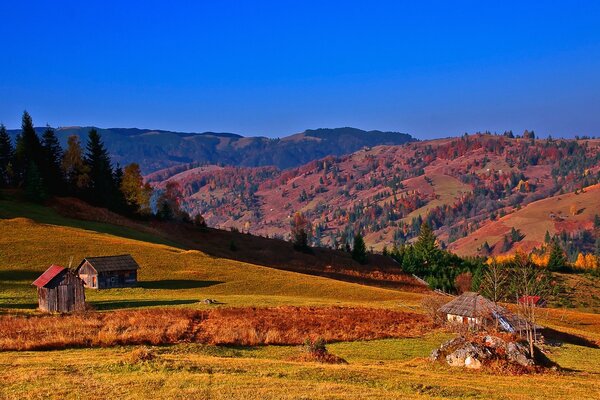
column 157, row 149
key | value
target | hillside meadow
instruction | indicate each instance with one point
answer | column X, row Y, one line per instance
column 169, row 275
column 163, row 319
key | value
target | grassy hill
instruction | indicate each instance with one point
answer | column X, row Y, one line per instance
column 169, row 275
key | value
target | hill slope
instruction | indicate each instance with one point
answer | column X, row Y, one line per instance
column 457, row 185
column 169, row 274
column 157, row 149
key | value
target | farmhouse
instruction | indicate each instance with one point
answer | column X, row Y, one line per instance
column 476, row 311
column 60, row 290
column 108, row 272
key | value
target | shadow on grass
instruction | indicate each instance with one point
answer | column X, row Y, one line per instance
column 177, row 284
column 17, row 306
column 552, row 335
column 19, row 275
column 118, row 304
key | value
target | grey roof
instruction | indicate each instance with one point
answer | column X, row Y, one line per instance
column 111, row 263
column 469, row 304
column 474, row 305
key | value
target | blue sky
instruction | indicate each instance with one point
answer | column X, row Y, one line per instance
column 429, row 68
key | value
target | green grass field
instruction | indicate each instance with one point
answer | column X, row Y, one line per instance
column 32, row 237
column 381, row 369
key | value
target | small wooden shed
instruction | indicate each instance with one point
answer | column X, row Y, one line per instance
column 60, row 290
column 108, row 271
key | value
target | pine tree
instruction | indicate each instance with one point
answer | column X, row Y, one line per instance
column 52, row 173
column 556, row 260
column 34, row 187
column 102, row 186
column 359, row 251
column 426, row 247
column 6, row 156
column 547, row 238
column 27, row 152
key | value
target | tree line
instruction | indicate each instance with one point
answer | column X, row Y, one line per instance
column 41, row 168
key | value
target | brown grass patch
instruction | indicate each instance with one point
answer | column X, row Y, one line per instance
column 239, row 326
column 292, row 325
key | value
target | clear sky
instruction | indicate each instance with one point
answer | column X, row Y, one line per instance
column 428, row 68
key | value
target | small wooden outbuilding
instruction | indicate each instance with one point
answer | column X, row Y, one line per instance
column 108, row 271
column 60, row 290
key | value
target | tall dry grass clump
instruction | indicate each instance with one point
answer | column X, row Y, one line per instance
column 240, row 326
column 292, row 325
column 93, row 329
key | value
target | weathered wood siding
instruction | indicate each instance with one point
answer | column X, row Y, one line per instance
column 89, row 275
column 65, row 293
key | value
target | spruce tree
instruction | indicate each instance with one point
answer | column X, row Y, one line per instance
column 359, row 251
column 52, row 158
column 28, row 152
column 426, row 247
column 6, row 156
column 102, row 186
column 556, row 260
column 34, row 187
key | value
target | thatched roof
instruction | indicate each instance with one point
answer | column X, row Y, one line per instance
column 474, row 305
column 111, row 263
column 469, row 304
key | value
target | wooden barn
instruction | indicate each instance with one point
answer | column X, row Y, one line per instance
column 475, row 311
column 108, row 272
column 60, row 290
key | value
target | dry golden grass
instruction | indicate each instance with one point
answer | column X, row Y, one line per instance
column 293, row 325
column 237, row 326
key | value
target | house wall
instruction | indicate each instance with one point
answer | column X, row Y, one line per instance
column 88, row 275
column 65, row 295
column 459, row 319
column 117, row 279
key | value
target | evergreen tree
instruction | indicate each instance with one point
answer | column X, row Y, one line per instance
column 52, row 173
column 102, row 185
column 359, row 251
column 6, row 156
column 27, row 153
column 547, row 238
column 557, row 260
column 426, row 247
column 34, row 188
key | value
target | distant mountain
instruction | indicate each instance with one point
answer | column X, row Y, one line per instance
column 483, row 194
column 158, row 149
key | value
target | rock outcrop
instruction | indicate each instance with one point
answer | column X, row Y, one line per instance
column 478, row 351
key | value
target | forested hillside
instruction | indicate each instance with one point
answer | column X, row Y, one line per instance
column 158, row 149
column 457, row 185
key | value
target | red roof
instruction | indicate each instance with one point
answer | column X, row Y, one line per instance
column 530, row 299
column 48, row 275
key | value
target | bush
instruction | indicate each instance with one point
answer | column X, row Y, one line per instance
column 140, row 355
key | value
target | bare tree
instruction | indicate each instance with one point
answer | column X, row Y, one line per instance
column 529, row 281
column 495, row 284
